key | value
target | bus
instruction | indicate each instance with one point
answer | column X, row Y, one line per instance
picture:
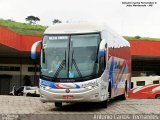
column 145, row 87
column 144, row 80
column 83, row 62
column 150, row 91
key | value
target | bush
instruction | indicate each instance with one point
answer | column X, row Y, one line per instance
column 137, row 37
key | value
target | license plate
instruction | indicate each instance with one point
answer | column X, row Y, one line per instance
column 67, row 97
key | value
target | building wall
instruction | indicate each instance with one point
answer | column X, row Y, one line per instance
column 17, row 41
column 17, row 73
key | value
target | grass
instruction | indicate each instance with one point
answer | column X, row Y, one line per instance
column 141, row 38
column 37, row 30
column 23, row 28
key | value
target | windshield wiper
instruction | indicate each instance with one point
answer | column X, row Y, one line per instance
column 60, row 67
column 75, row 64
column 44, row 76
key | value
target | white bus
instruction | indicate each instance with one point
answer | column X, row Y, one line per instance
column 83, row 62
column 144, row 81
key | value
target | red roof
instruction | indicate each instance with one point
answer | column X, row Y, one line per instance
column 24, row 43
column 145, row 48
column 17, row 41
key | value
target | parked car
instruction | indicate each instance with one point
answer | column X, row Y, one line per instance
column 25, row 91
column 149, row 91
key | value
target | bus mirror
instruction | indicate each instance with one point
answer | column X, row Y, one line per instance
column 33, row 49
column 102, row 49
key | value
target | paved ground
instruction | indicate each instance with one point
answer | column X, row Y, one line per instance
column 32, row 105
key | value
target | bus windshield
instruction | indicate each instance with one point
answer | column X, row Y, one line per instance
column 70, row 56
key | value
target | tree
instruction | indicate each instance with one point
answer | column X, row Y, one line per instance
column 137, row 37
column 36, row 19
column 32, row 19
column 56, row 21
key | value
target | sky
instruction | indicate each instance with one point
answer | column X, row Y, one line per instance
column 129, row 21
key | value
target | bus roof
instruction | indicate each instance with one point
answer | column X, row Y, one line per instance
column 145, row 78
column 74, row 28
column 87, row 27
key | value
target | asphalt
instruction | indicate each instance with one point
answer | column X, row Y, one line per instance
column 23, row 108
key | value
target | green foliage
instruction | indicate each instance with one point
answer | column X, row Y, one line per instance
column 141, row 38
column 56, row 21
column 23, row 28
column 137, row 37
column 32, row 19
column 28, row 29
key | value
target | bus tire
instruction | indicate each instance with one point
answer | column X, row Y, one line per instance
column 123, row 97
column 157, row 96
column 58, row 104
column 110, row 90
column 104, row 104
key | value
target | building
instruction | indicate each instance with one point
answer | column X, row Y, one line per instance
column 16, row 66
column 145, row 57
column 15, row 63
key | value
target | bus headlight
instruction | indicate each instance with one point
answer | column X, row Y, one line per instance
column 45, row 87
column 89, row 87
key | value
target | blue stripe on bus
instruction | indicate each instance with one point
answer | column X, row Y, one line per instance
column 120, row 78
column 52, row 84
column 111, row 72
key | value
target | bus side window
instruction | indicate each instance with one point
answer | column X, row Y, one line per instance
column 156, row 82
column 140, row 83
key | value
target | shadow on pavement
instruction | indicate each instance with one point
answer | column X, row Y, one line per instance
column 81, row 107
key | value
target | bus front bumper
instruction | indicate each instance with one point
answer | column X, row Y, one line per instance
column 91, row 95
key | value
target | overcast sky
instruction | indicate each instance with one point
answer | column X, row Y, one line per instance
column 143, row 21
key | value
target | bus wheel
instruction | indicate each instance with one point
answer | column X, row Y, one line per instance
column 104, row 104
column 58, row 104
column 158, row 96
column 123, row 97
